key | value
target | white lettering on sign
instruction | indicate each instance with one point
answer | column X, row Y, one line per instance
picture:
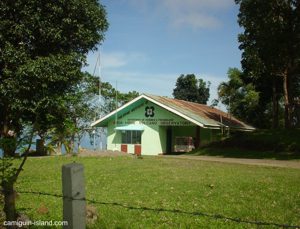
column 153, row 121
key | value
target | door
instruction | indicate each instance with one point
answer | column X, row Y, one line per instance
column 197, row 138
column 169, row 140
column 138, row 150
column 124, row 148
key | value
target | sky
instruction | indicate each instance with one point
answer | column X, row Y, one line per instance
column 150, row 43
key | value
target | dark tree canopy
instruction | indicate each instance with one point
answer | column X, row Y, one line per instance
column 242, row 100
column 42, row 27
column 43, row 45
column 271, row 51
column 191, row 89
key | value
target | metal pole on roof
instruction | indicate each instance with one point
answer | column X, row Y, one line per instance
column 116, row 116
column 99, row 97
column 99, row 89
column 99, row 92
column 116, row 102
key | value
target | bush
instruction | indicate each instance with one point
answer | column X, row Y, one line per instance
column 263, row 140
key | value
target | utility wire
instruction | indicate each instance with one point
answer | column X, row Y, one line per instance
column 177, row 211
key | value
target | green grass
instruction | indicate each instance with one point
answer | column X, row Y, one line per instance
column 238, row 191
column 271, row 144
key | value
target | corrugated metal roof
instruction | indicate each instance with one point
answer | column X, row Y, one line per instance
column 207, row 115
column 199, row 114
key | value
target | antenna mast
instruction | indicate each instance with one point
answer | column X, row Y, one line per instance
column 98, row 100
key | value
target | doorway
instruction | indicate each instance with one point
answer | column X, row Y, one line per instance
column 169, row 140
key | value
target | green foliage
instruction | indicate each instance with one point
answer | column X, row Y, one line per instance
column 6, row 169
column 71, row 115
column 189, row 88
column 41, row 27
column 271, row 53
column 43, row 45
column 242, row 100
column 112, row 98
column 277, row 144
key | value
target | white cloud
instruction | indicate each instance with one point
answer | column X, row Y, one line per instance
column 195, row 20
column 120, row 59
column 113, row 60
column 190, row 5
column 196, row 14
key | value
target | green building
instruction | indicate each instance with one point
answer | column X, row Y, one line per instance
column 153, row 125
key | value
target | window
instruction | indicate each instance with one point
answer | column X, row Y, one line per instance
column 131, row 137
column 183, row 144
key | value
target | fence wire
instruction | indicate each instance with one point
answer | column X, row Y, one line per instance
column 177, row 211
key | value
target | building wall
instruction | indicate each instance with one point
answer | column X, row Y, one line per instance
column 154, row 134
column 206, row 135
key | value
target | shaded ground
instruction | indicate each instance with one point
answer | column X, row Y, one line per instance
column 260, row 162
column 235, row 152
column 260, row 144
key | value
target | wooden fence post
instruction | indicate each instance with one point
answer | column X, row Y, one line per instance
column 74, row 208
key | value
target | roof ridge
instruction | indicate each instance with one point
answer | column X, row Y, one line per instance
column 185, row 101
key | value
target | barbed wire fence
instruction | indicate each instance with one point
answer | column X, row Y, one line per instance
column 176, row 211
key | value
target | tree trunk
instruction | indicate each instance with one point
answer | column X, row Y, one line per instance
column 7, row 185
column 9, row 201
column 9, row 141
column 275, row 106
column 72, row 144
column 287, row 105
column 58, row 148
column 40, row 147
column 78, row 143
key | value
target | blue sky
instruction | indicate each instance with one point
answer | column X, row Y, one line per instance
column 151, row 42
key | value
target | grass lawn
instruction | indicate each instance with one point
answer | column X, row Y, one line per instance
column 238, row 191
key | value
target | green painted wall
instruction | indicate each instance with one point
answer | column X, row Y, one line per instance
column 206, row 135
column 154, row 133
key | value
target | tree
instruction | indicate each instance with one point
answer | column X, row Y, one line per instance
column 271, row 46
column 242, row 100
column 189, row 88
column 68, row 118
column 43, row 47
column 112, row 98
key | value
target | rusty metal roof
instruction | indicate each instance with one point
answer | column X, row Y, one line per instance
column 199, row 114
column 207, row 115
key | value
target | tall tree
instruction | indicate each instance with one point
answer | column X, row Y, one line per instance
column 271, row 45
column 241, row 99
column 191, row 89
column 42, row 50
column 67, row 118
